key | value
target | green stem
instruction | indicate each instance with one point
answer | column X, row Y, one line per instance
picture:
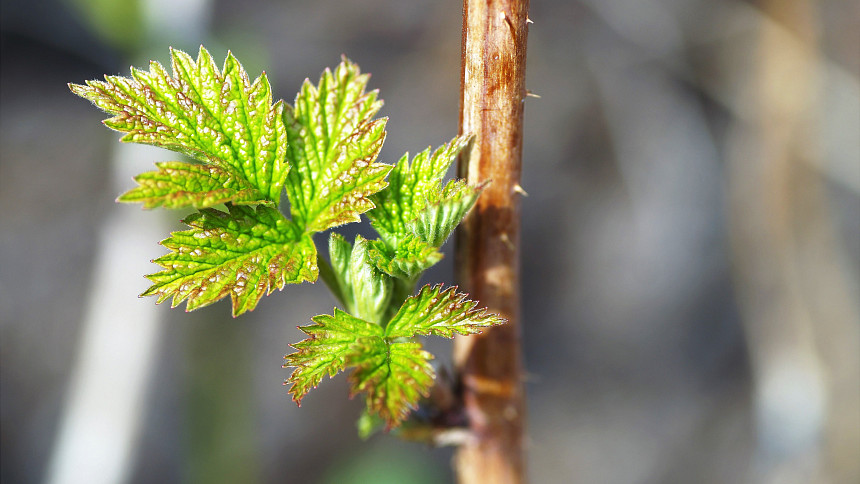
column 330, row 280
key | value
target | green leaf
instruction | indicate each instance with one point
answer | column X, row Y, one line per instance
column 405, row 259
column 245, row 253
column 440, row 217
column 413, row 186
column 332, row 341
column 441, row 313
column 217, row 117
column 334, row 143
column 393, row 376
column 368, row 424
column 393, row 371
column 177, row 185
column 366, row 292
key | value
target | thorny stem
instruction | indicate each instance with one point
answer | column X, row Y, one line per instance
column 490, row 364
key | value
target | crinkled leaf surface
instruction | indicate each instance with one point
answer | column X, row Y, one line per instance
column 245, row 254
column 334, row 142
column 393, row 371
column 406, row 259
column 177, row 184
column 215, row 116
column 434, row 311
column 247, row 146
column 440, row 217
column 413, row 186
column 416, row 208
column 393, row 376
column 332, row 340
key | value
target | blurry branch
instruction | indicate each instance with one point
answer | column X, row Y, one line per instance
column 837, row 88
column 734, row 22
column 798, row 299
column 796, row 124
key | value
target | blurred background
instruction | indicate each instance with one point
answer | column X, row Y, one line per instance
column 691, row 246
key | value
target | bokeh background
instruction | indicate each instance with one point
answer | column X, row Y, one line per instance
column 691, row 246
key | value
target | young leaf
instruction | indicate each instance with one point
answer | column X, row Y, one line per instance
column 245, row 253
column 441, row 313
column 365, row 290
column 339, row 251
column 415, row 215
column 332, row 341
column 405, row 259
column 394, row 376
column 440, row 217
column 392, row 371
column 371, row 289
column 177, row 184
column 334, row 142
column 217, row 117
column 411, row 186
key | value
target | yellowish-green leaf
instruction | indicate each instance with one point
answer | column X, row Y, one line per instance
column 215, row 116
column 365, row 291
column 434, row 311
column 406, row 259
column 416, row 214
column 332, row 341
column 389, row 368
column 392, row 375
column 413, row 186
column 245, row 254
column 435, row 222
column 177, row 185
column 334, row 143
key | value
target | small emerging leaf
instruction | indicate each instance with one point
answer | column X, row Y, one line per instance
column 440, row 217
column 365, row 290
column 217, row 117
column 406, row 260
column 368, row 424
column 413, row 186
column 441, row 313
column 334, row 142
column 245, row 254
column 415, row 214
column 177, row 185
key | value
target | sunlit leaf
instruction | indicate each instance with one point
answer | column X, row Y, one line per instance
column 334, row 142
column 434, row 311
column 177, row 184
column 392, row 375
column 245, row 254
column 215, row 116
column 413, row 186
column 333, row 339
column 406, row 259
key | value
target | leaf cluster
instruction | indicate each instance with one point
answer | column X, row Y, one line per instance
column 245, row 151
